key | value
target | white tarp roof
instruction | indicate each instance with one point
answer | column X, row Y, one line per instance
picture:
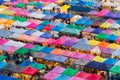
column 49, row 6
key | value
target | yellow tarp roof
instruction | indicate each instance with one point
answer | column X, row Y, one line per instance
column 65, row 7
column 105, row 25
column 99, row 59
column 2, row 21
column 8, row 12
column 9, row 22
column 3, row 7
column 93, row 42
column 117, row 33
column 114, row 46
column 59, row 1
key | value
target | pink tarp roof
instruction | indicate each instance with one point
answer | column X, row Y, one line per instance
column 76, row 78
column 30, row 71
column 50, row 76
column 82, row 75
column 118, row 39
column 94, row 77
column 77, row 55
column 58, row 70
column 28, row 46
column 40, row 40
column 32, row 25
column 48, row 27
column 102, row 12
column 110, row 21
column 67, row 53
column 48, row 0
column 3, row 41
column 107, row 31
column 88, row 57
column 11, row 49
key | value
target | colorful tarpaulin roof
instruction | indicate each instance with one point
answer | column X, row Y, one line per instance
column 69, row 72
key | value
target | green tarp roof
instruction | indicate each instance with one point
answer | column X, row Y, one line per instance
column 102, row 36
column 2, row 57
column 22, row 19
column 37, row 48
column 115, row 69
column 46, row 22
column 20, row 5
column 38, row 66
column 21, row 51
column 69, row 72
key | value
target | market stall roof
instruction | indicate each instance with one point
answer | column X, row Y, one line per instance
column 5, row 33
column 111, row 61
column 38, row 66
column 69, row 72
column 46, row 50
column 26, row 63
column 99, row 59
column 61, row 59
column 67, row 53
column 77, row 55
column 9, row 67
column 115, row 69
column 64, row 77
column 50, row 57
column 82, row 75
column 30, row 71
column 81, row 62
column 57, row 51
column 94, row 77
column 97, row 31
column 114, row 46
column 3, row 41
column 76, row 78
column 8, row 12
column 37, row 33
column 103, row 44
column 39, row 55
column 18, row 69
column 4, row 47
column 93, row 42
column 65, row 7
column 22, row 51
column 116, row 52
column 88, row 57
column 28, row 46
column 102, row 36
column 46, row 35
column 58, row 70
column 3, row 64
column 49, row 6
column 51, row 75
column 37, row 48
column 2, row 77
column 21, row 5
column 29, row 32
column 112, row 37
column 108, row 51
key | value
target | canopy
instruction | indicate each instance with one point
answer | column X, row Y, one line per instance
column 11, row 49
column 111, row 61
column 67, row 53
column 39, row 55
column 47, row 50
column 28, row 46
column 93, row 42
column 65, row 7
column 49, row 6
column 37, row 48
column 103, row 44
column 61, row 59
column 94, row 77
column 46, row 35
column 77, row 55
column 81, row 62
column 105, row 25
column 9, row 67
column 97, row 31
column 38, row 66
column 115, row 69
column 64, row 77
column 69, row 72
column 108, row 51
column 3, row 41
column 114, row 46
column 18, row 69
column 99, row 59
column 3, row 64
column 102, row 36
column 26, row 63
column 2, row 77
column 50, row 57
column 112, row 37
column 22, row 51
column 82, row 75
column 58, row 69
column 57, row 51
column 29, row 32
column 51, row 75
column 116, row 53
column 76, row 78
column 88, row 57
column 21, row 5
column 30, row 71
column 5, row 33
column 4, row 47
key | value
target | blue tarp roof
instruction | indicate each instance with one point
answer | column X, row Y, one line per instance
column 82, row 41
column 62, row 15
column 3, row 64
column 2, row 77
column 46, row 35
column 5, row 33
column 62, row 77
column 40, row 27
column 80, row 8
column 81, row 3
column 61, row 59
column 82, row 46
column 4, row 47
column 98, row 65
column 97, row 31
column 46, row 50
column 89, row 22
column 111, row 61
column 116, row 53
column 112, row 37
column 50, row 57
column 29, row 32
column 26, row 63
column 9, row 67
